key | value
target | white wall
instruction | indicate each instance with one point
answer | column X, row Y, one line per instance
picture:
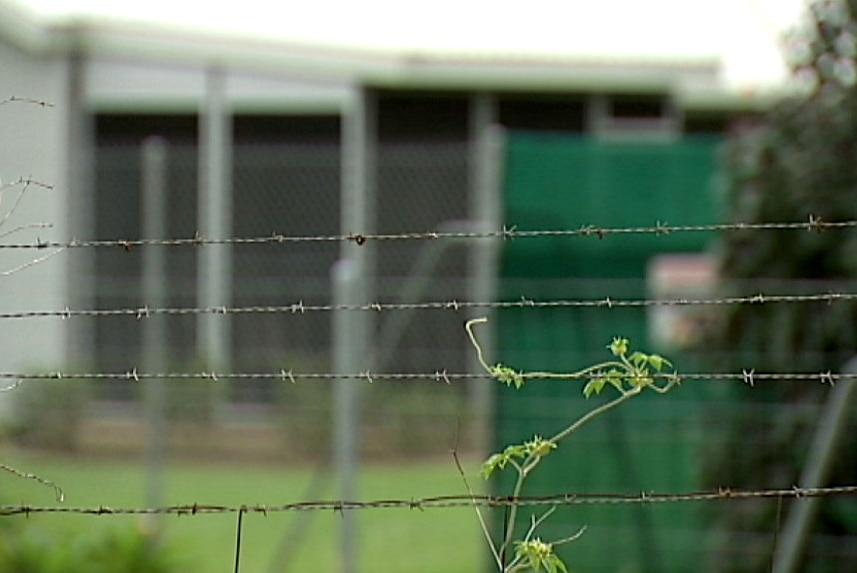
column 33, row 144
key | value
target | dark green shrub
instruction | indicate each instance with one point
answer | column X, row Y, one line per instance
column 34, row 549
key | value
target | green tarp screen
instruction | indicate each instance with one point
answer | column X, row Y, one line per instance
column 562, row 182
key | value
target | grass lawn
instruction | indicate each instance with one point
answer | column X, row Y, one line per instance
column 389, row 540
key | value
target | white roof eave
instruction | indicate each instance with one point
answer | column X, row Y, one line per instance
column 395, row 69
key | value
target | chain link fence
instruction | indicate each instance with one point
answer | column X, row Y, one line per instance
column 293, row 188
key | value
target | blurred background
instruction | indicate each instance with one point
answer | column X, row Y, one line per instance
column 535, row 166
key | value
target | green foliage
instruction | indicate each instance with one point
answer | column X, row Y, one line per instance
column 507, row 375
column 537, row 555
column 31, row 549
column 796, row 163
column 638, row 370
column 536, row 448
column 628, row 374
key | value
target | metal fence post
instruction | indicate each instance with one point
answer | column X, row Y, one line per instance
column 214, row 272
column 825, row 444
column 353, row 276
column 348, row 351
column 154, row 201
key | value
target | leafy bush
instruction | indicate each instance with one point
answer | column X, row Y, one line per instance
column 34, row 549
column 795, row 164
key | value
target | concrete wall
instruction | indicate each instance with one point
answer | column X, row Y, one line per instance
column 33, row 143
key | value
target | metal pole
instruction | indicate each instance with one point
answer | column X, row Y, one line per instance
column 154, row 159
column 486, row 147
column 214, row 265
column 348, row 358
column 353, row 284
column 359, row 183
column 832, row 425
column 215, row 220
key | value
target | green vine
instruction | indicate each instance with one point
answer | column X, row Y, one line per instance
column 628, row 373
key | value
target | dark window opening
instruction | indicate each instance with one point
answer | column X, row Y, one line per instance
column 553, row 113
column 631, row 107
column 279, row 128
column 707, row 122
column 422, row 115
column 112, row 129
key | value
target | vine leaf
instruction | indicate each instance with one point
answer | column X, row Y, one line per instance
column 539, row 555
column 507, row 375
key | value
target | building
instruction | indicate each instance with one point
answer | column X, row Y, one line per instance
column 111, row 83
column 270, row 137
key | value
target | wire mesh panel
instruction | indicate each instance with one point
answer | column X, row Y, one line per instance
column 291, row 188
column 422, row 187
column 118, row 272
column 283, row 189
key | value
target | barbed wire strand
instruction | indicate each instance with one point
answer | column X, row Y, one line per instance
column 447, row 501
column 749, row 377
column 301, row 308
column 813, row 224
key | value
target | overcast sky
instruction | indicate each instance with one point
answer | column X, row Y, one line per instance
column 746, row 33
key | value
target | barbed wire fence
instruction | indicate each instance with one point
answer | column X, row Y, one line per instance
column 288, row 375
column 443, row 373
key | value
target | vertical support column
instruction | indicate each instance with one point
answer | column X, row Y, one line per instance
column 353, row 284
column 80, row 338
column 486, row 144
column 214, row 208
column 155, row 344
column 596, row 115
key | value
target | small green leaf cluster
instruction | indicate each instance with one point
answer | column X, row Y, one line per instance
column 629, row 373
column 537, row 555
column 507, row 375
column 517, row 454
